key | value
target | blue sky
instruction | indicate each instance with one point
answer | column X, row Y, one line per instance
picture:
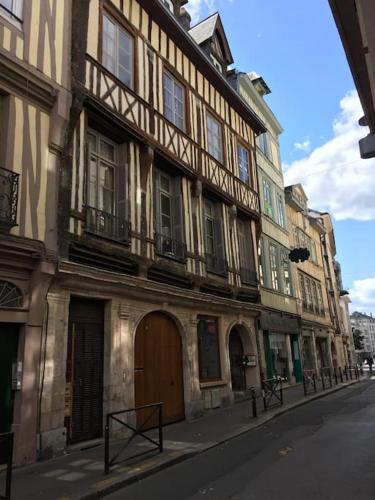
column 295, row 46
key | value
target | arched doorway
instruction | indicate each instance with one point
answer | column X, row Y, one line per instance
column 236, row 353
column 158, row 366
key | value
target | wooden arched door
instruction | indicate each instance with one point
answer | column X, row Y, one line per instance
column 158, row 367
column 237, row 370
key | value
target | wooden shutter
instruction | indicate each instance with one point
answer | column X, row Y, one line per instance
column 121, row 184
column 178, row 222
column 219, row 239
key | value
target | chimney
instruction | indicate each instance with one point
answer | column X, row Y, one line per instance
column 184, row 18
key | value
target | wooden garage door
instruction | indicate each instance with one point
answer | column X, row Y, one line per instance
column 158, row 367
column 84, row 395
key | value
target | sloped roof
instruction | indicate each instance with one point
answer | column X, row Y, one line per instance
column 206, row 29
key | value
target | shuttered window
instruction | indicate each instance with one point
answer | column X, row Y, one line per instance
column 245, row 243
column 214, row 238
column 118, row 51
column 169, row 217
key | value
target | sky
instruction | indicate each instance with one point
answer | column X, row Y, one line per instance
column 294, row 45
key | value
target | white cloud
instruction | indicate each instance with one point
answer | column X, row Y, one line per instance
column 334, row 176
column 197, row 7
column 362, row 295
column 303, row 146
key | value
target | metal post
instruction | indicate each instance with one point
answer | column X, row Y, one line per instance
column 335, row 375
column 341, row 376
column 264, row 398
column 8, row 484
column 106, row 446
column 323, row 381
column 314, row 381
column 350, row 373
column 330, row 378
column 254, row 402
column 161, row 428
column 304, row 385
column 281, row 393
column 346, row 373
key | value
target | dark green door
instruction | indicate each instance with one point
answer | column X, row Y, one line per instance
column 236, row 358
column 268, row 355
column 8, row 358
column 297, row 365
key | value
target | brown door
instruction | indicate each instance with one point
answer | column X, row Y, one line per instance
column 84, row 374
column 158, row 368
column 236, row 358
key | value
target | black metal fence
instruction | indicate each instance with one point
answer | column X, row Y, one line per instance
column 151, row 412
column 6, row 458
column 309, row 382
column 272, row 392
column 170, row 247
column 325, row 376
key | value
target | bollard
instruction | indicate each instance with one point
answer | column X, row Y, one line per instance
column 106, row 448
column 281, row 393
column 346, row 373
column 254, row 402
column 304, row 385
column 350, row 373
column 330, row 378
column 323, row 382
column 314, row 381
column 335, row 375
column 341, row 376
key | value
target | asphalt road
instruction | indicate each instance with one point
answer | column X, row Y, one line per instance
column 322, row 451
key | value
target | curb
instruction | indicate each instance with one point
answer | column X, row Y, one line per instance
column 120, row 483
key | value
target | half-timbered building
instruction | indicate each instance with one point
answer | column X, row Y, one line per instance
column 34, row 104
column 156, row 294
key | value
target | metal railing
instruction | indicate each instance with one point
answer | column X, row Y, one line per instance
column 216, row 265
column 309, row 382
column 156, row 409
column 272, row 392
column 6, row 458
column 169, row 247
column 248, row 276
column 8, row 197
column 107, row 225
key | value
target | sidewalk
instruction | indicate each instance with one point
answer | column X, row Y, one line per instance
column 80, row 474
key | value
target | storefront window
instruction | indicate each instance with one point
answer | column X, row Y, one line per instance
column 208, row 349
column 279, row 354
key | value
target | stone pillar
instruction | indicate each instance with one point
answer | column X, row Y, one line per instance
column 193, row 394
column 52, row 432
column 290, row 359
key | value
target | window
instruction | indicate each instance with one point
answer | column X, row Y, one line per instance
column 208, row 349
column 216, row 63
column 174, row 101
column 106, row 206
column 245, row 243
column 263, row 144
column 213, row 227
column 243, row 164
column 12, row 8
column 169, row 224
column 280, row 210
column 118, row 51
column 285, row 266
column 214, row 138
column 267, row 198
column 274, row 267
column 168, row 4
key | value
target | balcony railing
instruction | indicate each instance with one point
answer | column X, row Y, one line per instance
column 170, row 247
column 107, row 225
column 8, row 198
column 248, row 276
column 216, row 265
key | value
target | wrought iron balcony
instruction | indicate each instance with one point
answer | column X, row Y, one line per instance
column 8, row 198
column 248, row 276
column 216, row 265
column 170, row 247
column 107, row 225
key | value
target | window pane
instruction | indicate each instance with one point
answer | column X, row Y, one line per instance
column 173, row 101
column 214, row 137
column 274, row 269
column 208, row 349
column 107, row 150
column 165, row 204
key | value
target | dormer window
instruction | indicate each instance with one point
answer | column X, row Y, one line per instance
column 168, row 4
column 216, row 63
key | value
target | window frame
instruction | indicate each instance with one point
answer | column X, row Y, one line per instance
column 121, row 23
column 13, row 15
column 210, row 115
column 275, row 278
column 176, row 81
column 218, row 349
column 250, row 181
column 265, row 182
column 280, row 211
